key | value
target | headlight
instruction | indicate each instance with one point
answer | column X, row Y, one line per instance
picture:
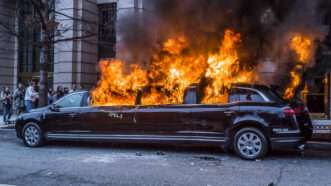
column 19, row 117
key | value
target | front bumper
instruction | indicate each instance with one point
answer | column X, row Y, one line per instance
column 18, row 128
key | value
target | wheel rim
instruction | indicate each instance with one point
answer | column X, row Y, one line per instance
column 31, row 135
column 249, row 144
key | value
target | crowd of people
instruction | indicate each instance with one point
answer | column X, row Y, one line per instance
column 23, row 99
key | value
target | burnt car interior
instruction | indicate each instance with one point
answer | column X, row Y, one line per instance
column 192, row 96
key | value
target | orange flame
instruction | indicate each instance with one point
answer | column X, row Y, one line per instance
column 303, row 48
column 117, row 88
column 171, row 72
column 224, row 69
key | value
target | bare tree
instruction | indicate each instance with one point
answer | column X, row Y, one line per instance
column 44, row 17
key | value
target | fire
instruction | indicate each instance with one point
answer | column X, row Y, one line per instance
column 303, row 48
column 295, row 82
column 224, row 69
column 117, row 88
column 171, row 72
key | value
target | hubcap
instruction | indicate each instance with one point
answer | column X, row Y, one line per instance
column 249, row 144
column 31, row 135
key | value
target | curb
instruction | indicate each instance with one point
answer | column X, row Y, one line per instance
column 10, row 126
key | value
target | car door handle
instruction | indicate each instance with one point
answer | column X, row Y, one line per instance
column 228, row 113
column 72, row 115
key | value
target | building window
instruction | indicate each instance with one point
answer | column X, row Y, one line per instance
column 107, row 30
column 316, row 96
column 29, row 52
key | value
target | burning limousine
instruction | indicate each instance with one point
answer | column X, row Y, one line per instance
column 254, row 120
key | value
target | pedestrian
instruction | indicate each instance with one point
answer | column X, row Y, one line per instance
column 59, row 92
column 50, row 96
column 19, row 94
column 66, row 91
column 73, row 89
column 30, row 97
column 6, row 99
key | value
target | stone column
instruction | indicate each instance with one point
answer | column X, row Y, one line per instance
column 75, row 61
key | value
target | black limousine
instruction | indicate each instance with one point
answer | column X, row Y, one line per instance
column 254, row 121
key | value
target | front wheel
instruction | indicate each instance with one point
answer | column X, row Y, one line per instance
column 250, row 143
column 32, row 135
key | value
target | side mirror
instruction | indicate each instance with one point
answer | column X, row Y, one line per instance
column 54, row 108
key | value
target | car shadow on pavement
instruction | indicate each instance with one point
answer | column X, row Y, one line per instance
column 138, row 146
column 161, row 149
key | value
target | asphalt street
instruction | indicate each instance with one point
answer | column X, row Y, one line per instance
column 109, row 164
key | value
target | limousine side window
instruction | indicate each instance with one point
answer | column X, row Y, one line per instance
column 244, row 95
column 191, row 96
column 73, row 100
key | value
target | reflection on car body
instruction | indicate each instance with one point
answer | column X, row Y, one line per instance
column 251, row 123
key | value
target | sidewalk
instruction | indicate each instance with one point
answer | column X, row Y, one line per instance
column 10, row 125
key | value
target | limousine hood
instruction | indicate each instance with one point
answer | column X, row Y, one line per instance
column 41, row 109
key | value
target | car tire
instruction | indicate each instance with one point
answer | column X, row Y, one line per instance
column 32, row 135
column 250, row 143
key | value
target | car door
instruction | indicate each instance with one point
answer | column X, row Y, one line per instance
column 159, row 119
column 109, row 119
column 189, row 119
column 204, row 120
column 208, row 120
column 64, row 114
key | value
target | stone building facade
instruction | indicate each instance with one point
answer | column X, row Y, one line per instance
column 8, row 44
column 75, row 62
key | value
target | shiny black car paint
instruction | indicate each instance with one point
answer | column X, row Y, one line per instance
column 187, row 123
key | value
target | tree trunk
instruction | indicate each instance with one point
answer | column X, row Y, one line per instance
column 43, row 81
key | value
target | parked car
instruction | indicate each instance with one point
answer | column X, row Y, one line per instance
column 254, row 121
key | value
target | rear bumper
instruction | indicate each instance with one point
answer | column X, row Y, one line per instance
column 287, row 142
column 288, row 139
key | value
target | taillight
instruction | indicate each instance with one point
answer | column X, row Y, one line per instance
column 299, row 109
column 289, row 112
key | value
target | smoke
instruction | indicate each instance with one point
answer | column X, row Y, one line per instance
column 265, row 26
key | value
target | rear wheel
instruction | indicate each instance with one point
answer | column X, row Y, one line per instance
column 250, row 143
column 32, row 135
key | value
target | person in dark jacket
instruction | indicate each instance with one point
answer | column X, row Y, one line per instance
column 6, row 99
column 19, row 94
column 59, row 92
column 50, row 96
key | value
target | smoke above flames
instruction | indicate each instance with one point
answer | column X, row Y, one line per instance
column 167, row 45
column 265, row 25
